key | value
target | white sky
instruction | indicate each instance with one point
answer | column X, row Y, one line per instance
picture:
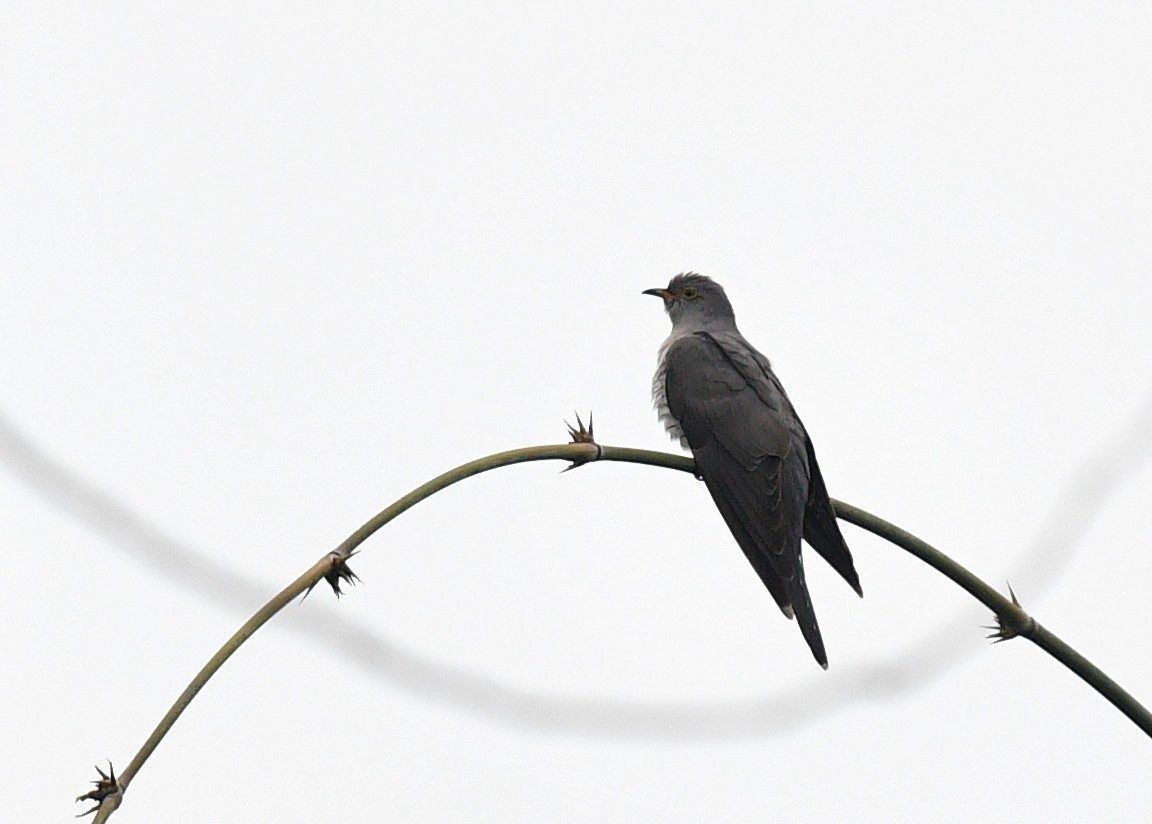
column 265, row 270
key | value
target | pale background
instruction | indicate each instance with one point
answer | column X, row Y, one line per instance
column 268, row 267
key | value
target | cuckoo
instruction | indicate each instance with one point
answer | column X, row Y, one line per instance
column 719, row 396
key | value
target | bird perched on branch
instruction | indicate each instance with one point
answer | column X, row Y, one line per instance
column 719, row 396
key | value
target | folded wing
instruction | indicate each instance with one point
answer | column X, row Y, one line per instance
column 751, row 451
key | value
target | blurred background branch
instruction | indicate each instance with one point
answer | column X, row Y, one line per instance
column 1089, row 486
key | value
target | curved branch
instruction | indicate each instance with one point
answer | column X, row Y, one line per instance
column 1012, row 619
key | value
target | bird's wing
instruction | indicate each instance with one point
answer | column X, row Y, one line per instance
column 821, row 529
column 744, row 437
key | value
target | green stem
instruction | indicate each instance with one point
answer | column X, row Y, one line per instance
column 577, row 453
column 1011, row 616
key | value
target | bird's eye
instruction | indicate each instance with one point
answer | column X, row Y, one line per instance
column 690, row 293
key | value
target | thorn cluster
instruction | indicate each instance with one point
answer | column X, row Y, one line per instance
column 1002, row 630
column 580, row 434
column 106, row 785
column 338, row 570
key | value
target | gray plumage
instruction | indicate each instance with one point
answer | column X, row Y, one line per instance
column 719, row 396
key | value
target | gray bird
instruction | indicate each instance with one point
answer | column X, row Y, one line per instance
column 720, row 397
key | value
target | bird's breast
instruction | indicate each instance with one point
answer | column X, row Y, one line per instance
column 660, row 396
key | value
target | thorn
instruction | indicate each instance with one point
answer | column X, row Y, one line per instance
column 106, row 785
column 1001, row 631
column 338, row 570
column 582, row 434
column 578, row 433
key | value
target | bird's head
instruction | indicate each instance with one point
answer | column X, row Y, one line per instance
column 695, row 299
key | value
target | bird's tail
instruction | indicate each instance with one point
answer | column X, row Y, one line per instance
column 806, row 616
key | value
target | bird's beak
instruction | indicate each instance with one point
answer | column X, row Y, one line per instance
column 660, row 293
